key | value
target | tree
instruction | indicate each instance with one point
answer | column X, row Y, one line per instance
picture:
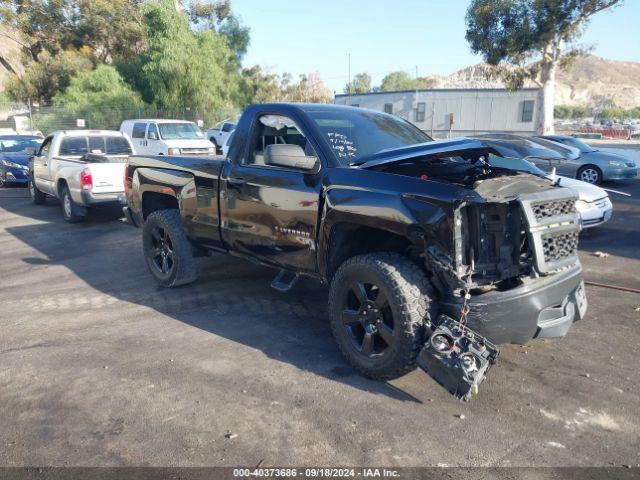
column 107, row 27
column 361, row 83
column 402, row 81
column 217, row 15
column 63, row 37
column 51, row 73
column 99, row 96
column 309, row 89
column 182, row 68
column 257, row 86
column 529, row 40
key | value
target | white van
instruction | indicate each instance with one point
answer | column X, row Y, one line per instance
column 166, row 137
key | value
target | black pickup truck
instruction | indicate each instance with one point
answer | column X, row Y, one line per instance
column 399, row 226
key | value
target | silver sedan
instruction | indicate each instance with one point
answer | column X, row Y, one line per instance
column 592, row 165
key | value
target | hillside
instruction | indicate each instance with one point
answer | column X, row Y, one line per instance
column 591, row 81
column 9, row 55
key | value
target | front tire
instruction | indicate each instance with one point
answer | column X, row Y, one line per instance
column 590, row 174
column 167, row 249
column 37, row 197
column 379, row 305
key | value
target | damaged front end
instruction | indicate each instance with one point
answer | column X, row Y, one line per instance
column 509, row 271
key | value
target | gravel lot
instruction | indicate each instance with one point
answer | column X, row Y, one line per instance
column 99, row 366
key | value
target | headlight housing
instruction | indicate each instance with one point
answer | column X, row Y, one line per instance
column 212, row 151
column 582, row 206
column 174, row 151
column 615, row 163
column 7, row 163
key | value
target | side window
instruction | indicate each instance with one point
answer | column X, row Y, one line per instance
column 227, row 127
column 274, row 129
column 527, row 111
column 388, row 108
column 74, row 146
column 420, row 110
column 139, row 130
column 153, row 129
column 46, row 147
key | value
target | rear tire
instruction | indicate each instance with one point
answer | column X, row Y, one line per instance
column 167, row 249
column 37, row 197
column 71, row 211
column 590, row 174
column 379, row 305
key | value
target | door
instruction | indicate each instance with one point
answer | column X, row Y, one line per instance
column 138, row 138
column 268, row 212
column 153, row 143
column 41, row 174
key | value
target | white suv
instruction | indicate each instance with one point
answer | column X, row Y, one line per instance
column 166, row 137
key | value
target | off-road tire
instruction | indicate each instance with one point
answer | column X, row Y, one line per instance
column 185, row 268
column 71, row 211
column 410, row 298
column 595, row 173
column 37, row 197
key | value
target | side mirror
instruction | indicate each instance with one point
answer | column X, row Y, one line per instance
column 152, row 136
column 290, row 156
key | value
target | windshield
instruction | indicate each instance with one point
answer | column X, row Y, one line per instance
column 114, row 145
column 572, row 142
column 354, row 135
column 19, row 145
column 180, row 131
column 519, row 164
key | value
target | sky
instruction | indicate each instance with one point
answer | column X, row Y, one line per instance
column 304, row 36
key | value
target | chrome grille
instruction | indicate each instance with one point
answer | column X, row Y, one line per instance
column 543, row 210
column 554, row 224
column 194, row 151
column 557, row 247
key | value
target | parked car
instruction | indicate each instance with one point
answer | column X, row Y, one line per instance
column 593, row 202
column 166, row 137
column 397, row 226
column 82, row 168
column 219, row 135
column 593, row 165
column 15, row 151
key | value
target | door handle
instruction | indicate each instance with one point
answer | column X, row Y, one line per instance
column 236, row 181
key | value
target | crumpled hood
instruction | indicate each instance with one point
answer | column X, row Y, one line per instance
column 584, row 190
column 19, row 158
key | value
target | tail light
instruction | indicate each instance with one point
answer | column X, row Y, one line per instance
column 126, row 181
column 86, row 180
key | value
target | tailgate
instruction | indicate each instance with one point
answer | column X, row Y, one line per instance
column 108, row 177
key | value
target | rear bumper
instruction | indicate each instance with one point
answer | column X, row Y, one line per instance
column 543, row 308
column 103, row 199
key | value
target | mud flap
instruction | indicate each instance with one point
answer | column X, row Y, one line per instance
column 457, row 358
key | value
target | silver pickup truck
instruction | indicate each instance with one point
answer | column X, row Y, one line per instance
column 82, row 168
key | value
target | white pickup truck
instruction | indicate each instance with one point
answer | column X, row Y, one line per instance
column 219, row 135
column 82, row 168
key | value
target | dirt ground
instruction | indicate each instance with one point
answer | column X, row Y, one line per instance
column 101, row 367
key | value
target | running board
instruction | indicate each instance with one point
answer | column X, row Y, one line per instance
column 284, row 281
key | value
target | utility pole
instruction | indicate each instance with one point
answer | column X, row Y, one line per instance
column 416, row 106
column 349, row 75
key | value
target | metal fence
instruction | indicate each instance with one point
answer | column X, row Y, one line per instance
column 47, row 119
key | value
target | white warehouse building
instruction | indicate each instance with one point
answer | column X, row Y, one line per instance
column 456, row 112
